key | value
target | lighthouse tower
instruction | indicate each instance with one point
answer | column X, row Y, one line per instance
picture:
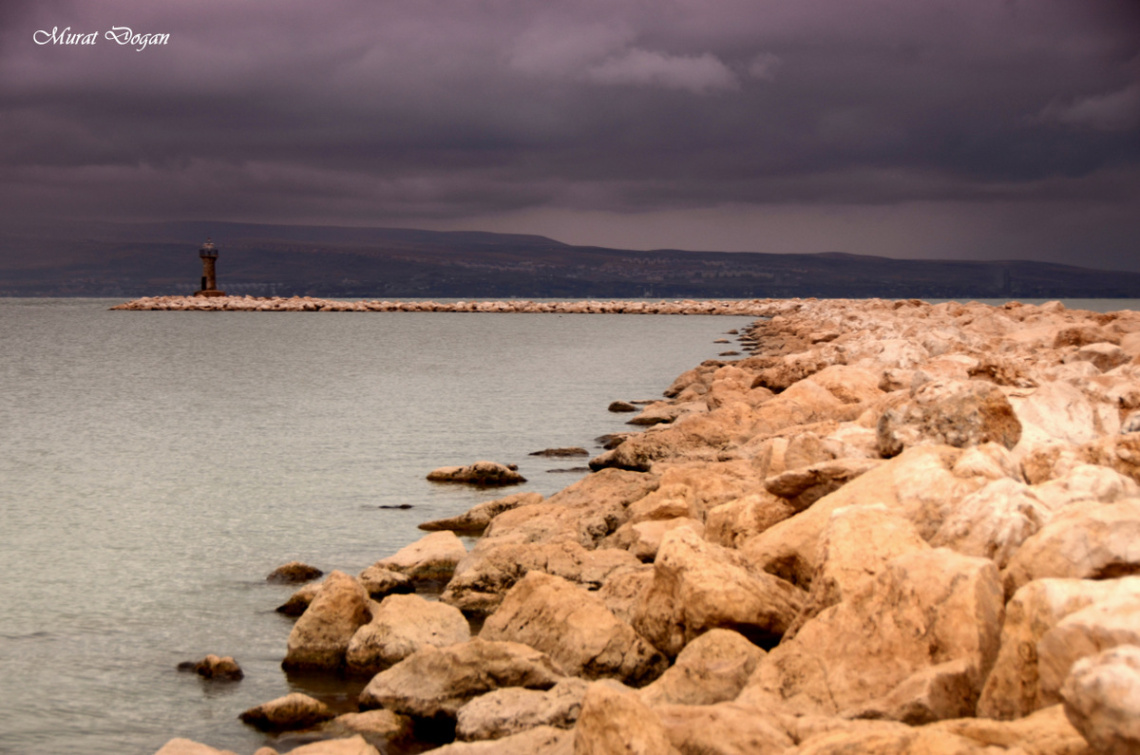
column 209, row 255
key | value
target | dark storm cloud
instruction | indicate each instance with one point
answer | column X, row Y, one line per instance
column 452, row 111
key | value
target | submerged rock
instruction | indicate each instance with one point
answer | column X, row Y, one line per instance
column 293, row 573
column 482, row 473
column 223, row 668
column 293, row 711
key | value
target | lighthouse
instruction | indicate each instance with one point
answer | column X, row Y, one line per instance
column 209, row 255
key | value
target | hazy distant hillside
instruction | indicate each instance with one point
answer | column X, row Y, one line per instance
column 134, row 260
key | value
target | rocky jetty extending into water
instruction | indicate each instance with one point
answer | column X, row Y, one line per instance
column 745, row 307
column 895, row 528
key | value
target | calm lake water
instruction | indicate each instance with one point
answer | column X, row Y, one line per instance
column 156, row 466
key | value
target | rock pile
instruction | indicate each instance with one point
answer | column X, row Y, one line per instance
column 897, row 528
column 753, row 307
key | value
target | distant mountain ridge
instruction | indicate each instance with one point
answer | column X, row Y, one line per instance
column 110, row 259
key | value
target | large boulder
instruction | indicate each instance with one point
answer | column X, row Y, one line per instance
column 1084, row 540
column 925, row 609
column 491, row 569
column 803, row 486
column 481, row 473
column 614, row 720
column 923, row 484
column 320, row 638
column 182, row 746
column 994, row 522
column 436, row 682
column 383, row 729
column 643, row 539
column 713, row 668
column 401, row 625
column 855, row 547
column 1085, row 633
column 699, row 586
column 734, row 523
column 298, row 602
column 1012, row 689
column 623, row 588
column 540, row 740
column 510, row 710
column 1102, row 700
column 381, row 582
column 951, row 412
column 293, row 711
column 575, row 629
column 722, row 729
column 475, row 520
column 1059, row 411
column 432, row 557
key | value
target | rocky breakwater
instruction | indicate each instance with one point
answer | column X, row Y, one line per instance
column 896, row 528
column 752, row 307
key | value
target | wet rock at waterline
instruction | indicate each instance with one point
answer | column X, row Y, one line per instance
column 481, row 473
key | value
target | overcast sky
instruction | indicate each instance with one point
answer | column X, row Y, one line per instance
column 970, row 129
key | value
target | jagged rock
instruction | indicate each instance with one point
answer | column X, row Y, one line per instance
column 642, row 539
column 1119, row 452
column 482, row 473
column 722, row 729
column 432, row 557
column 804, row 486
column 1083, row 335
column 293, row 711
column 952, row 412
column 321, row 635
column 475, row 520
column 623, row 588
column 181, row 746
column 614, row 720
column 1086, row 482
column 436, row 682
column 575, row 629
column 856, row 545
column 1084, row 633
column 1060, row 411
column 1012, row 689
column 382, row 729
column 1086, row 540
column 922, row 484
column 712, row 668
column 924, row 608
column 292, row 573
column 1046, row 732
column 401, row 625
column 223, row 668
column 1102, row 701
column 354, row 745
column 510, row 710
column 1103, row 356
column 299, row 601
column 380, row 582
column 994, row 522
column 732, row 524
column 699, row 586
column 541, row 740
column 483, row 578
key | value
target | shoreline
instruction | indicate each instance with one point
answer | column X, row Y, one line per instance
column 895, row 471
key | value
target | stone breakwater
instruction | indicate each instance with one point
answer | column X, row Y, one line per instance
column 895, row 528
column 754, row 307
